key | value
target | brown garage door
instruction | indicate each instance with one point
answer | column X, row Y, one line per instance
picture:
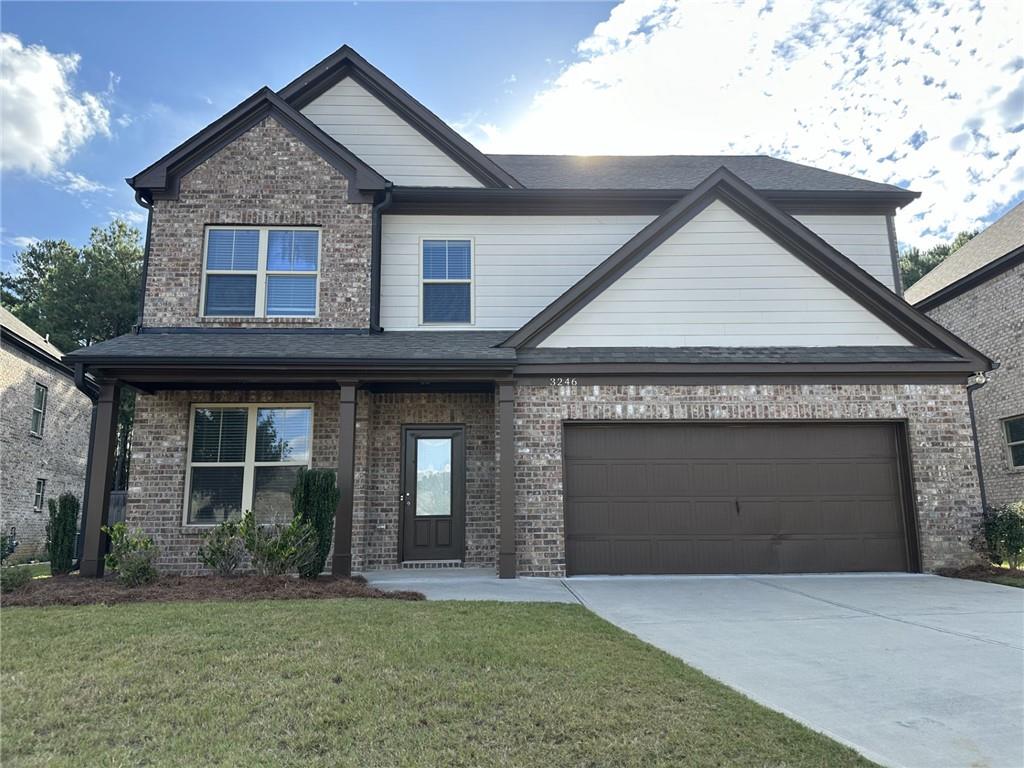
column 738, row 498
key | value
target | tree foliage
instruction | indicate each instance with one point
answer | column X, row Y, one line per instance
column 314, row 501
column 60, row 532
column 915, row 263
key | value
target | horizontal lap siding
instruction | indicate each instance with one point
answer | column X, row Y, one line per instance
column 864, row 239
column 377, row 135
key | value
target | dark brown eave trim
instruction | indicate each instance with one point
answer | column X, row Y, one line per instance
column 161, row 180
column 638, row 371
column 974, row 279
column 345, row 62
column 787, row 232
column 45, row 358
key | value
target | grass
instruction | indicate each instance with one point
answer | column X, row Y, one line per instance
column 37, row 570
column 369, row 683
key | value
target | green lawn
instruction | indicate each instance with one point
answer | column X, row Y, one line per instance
column 368, row 683
column 37, row 569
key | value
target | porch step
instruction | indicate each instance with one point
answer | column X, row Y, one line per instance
column 416, row 564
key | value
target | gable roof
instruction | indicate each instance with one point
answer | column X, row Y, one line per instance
column 345, row 62
column 723, row 185
column 12, row 325
column 162, row 177
column 998, row 247
column 681, row 172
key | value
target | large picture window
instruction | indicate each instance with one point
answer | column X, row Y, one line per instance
column 245, row 457
column 447, row 282
column 261, row 272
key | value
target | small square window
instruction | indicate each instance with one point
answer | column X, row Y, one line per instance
column 40, row 495
column 39, row 398
column 447, row 282
column 1013, row 429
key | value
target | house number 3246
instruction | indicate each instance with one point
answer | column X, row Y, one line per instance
column 558, row 381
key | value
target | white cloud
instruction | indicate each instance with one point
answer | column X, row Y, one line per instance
column 135, row 218
column 44, row 121
column 930, row 96
column 76, row 183
column 21, row 241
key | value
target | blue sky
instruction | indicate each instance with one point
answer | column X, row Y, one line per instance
column 928, row 95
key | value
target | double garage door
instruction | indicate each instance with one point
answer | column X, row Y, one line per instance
column 734, row 498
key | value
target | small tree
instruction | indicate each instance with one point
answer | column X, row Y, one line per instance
column 60, row 533
column 314, row 501
column 1002, row 534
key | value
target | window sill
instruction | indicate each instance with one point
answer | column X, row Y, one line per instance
column 36, row 435
column 250, row 320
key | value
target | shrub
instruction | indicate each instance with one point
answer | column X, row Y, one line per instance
column 314, row 501
column 222, row 549
column 8, row 543
column 60, row 533
column 131, row 555
column 1002, row 534
column 14, row 577
column 275, row 550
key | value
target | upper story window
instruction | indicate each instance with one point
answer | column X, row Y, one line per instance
column 40, row 495
column 261, row 272
column 1014, row 431
column 446, row 285
column 38, row 410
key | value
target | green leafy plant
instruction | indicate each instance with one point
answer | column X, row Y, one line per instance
column 223, row 550
column 14, row 577
column 275, row 550
column 60, row 532
column 314, row 502
column 8, row 543
column 1001, row 539
column 131, row 555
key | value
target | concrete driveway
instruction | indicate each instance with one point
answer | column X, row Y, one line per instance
column 909, row 670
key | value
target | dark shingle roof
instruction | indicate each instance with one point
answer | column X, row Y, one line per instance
column 728, row 355
column 678, row 172
column 1003, row 236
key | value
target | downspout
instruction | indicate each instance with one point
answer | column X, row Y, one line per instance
column 145, row 259
column 375, row 246
column 81, row 386
column 980, row 380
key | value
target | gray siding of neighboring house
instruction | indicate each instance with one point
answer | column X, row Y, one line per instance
column 58, row 456
column 990, row 317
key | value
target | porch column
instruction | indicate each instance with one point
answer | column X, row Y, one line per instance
column 341, row 564
column 100, row 476
column 506, row 481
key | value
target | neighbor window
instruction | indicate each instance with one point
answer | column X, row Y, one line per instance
column 1014, row 431
column 261, row 272
column 38, row 410
column 246, row 457
column 447, row 281
column 40, row 495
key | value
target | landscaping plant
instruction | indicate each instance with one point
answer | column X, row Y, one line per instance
column 14, row 577
column 275, row 550
column 131, row 555
column 60, row 533
column 223, row 550
column 8, row 543
column 314, row 502
column 1002, row 534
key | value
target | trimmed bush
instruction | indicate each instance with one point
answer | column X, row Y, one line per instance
column 222, row 550
column 60, row 533
column 275, row 550
column 14, row 577
column 131, row 555
column 1002, row 534
column 314, row 502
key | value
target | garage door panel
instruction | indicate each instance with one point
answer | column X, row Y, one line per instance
column 662, row 498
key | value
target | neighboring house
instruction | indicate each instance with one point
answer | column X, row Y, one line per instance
column 44, row 432
column 978, row 293
column 543, row 364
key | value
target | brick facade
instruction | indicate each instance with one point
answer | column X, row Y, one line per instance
column 942, row 457
column 990, row 317
column 58, row 456
column 266, row 176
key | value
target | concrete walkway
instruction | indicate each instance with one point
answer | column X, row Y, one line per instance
column 909, row 670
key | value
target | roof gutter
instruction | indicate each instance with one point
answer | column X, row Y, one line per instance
column 148, row 205
column 980, row 380
column 376, row 236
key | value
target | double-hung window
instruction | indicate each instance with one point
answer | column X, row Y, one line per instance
column 1014, row 431
column 246, row 457
column 38, row 410
column 40, row 495
column 261, row 272
column 446, row 285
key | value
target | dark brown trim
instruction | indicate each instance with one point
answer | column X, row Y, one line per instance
column 100, row 478
column 659, row 376
column 145, row 259
column 506, row 481
column 908, row 496
column 341, row 563
column 7, row 336
column 376, row 236
column 160, row 180
column 786, row 231
column 457, row 433
column 894, row 253
column 975, row 278
column 345, row 62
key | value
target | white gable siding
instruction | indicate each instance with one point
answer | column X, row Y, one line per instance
column 863, row 239
column 720, row 281
column 379, row 137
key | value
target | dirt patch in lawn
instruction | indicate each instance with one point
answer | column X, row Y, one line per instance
column 74, row 590
column 1006, row 576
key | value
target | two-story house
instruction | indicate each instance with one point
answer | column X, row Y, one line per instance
column 544, row 364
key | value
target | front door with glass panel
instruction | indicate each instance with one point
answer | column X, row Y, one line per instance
column 433, row 496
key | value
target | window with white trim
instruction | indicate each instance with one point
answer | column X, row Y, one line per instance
column 261, row 272
column 39, row 398
column 40, row 495
column 245, row 457
column 1013, row 429
column 446, row 282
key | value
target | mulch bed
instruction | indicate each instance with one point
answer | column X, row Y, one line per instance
column 73, row 590
column 982, row 572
